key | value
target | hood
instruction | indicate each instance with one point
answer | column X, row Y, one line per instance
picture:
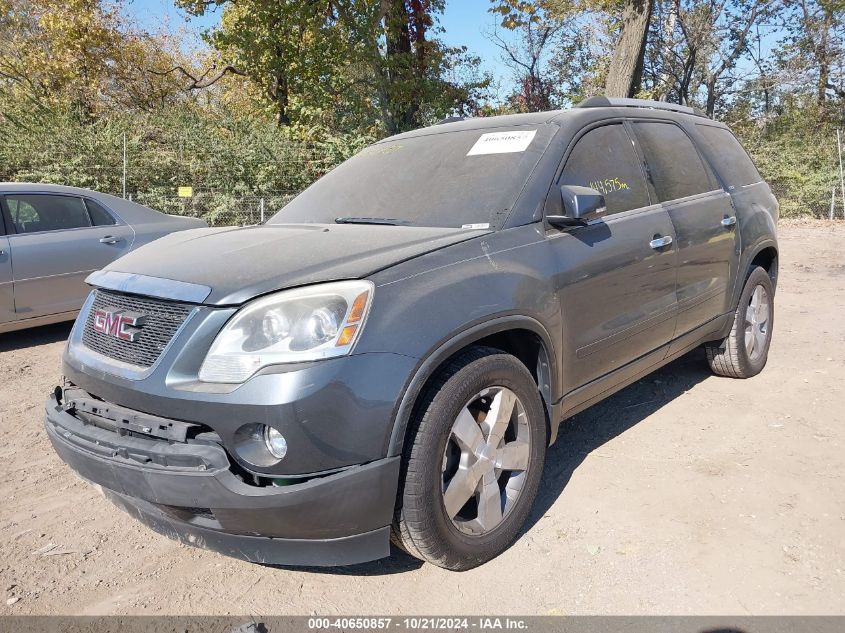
column 238, row 264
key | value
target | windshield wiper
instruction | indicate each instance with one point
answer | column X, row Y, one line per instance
column 386, row 221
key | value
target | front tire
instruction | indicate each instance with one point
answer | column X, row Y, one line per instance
column 473, row 461
column 744, row 352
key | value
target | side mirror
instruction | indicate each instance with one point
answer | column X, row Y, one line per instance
column 580, row 205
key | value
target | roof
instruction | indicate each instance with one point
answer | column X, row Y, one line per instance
column 127, row 210
column 542, row 118
column 483, row 123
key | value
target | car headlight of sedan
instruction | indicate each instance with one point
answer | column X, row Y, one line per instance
column 303, row 324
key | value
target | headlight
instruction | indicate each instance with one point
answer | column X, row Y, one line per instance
column 297, row 325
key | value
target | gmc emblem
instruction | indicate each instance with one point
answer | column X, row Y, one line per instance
column 120, row 324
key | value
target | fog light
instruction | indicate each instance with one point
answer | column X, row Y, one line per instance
column 276, row 442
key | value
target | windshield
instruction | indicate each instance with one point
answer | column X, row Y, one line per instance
column 451, row 179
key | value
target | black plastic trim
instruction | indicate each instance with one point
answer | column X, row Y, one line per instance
column 354, row 501
column 348, row 550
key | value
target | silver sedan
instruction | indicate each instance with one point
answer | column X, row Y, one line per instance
column 53, row 237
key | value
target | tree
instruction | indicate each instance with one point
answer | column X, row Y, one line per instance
column 414, row 78
column 550, row 56
column 362, row 59
column 716, row 33
column 695, row 49
column 814, row 44
column 733, row 43
column 54, row 50
column 538, row 29
column 626, row 66
column 288, row 48
column 80, row 53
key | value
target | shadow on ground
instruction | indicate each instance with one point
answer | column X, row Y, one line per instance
column 582, row 434
column 577, row 438
column 35, row 336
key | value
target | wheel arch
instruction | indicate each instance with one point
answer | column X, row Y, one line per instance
column 766, row 256
column 522, row 336
column 763, row 253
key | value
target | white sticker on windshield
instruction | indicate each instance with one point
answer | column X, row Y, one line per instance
column 502, row 142
column 485, row 225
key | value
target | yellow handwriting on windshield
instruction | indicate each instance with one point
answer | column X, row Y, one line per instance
column 608, row 185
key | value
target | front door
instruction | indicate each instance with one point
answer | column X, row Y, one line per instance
column 55, row 247
column 703, row 216
column 617, row 285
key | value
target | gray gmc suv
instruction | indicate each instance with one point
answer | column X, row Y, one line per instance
column 388, row 358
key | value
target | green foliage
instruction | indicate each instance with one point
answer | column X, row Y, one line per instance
column 359, row 63
column 218, row 153
column 796, row 154
column 287, row 47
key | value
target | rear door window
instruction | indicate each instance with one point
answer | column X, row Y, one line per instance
column 604, row 159
column 674, row 166
column 34, row 213
column 728, row 155
column 99, row 215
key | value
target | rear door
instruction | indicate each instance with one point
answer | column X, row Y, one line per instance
column 55, row 245
column 7, row 297
column 704, row 220
column 617, row 285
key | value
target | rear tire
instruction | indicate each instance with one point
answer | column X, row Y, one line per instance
column 744, row 352
column 473, row 461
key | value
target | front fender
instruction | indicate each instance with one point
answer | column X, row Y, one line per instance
column 431, row 307
column 430, row 364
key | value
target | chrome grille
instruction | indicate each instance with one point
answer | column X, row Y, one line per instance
column 163, row 319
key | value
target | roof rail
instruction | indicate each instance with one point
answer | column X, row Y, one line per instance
column 451, row 119
column 619, row 102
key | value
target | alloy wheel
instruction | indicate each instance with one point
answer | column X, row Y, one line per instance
column 486, row 460
column 757, row 323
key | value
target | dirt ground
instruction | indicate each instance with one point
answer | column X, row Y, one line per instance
column 683, row 494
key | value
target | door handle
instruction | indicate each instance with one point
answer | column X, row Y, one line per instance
column 660, row 242
column 110, row 239
column 726, row 222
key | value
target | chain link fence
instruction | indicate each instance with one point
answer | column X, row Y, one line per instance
column 824, row 202
column 218, row 209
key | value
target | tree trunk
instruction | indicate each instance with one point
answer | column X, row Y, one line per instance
column 420, row 21
column 668, row 44
column 711, row 96
column 626, row 66
column 399, row 65
column 686, row 77
column 823, row 58
column 279, row 94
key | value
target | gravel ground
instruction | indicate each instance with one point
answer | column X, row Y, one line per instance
column 682, row 494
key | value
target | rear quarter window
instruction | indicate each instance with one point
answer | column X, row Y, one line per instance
column 99, row 216
column 726, row 152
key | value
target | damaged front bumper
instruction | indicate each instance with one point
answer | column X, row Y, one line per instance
column 189, row 491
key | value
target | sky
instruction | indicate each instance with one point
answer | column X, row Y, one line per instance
column 464, row 23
